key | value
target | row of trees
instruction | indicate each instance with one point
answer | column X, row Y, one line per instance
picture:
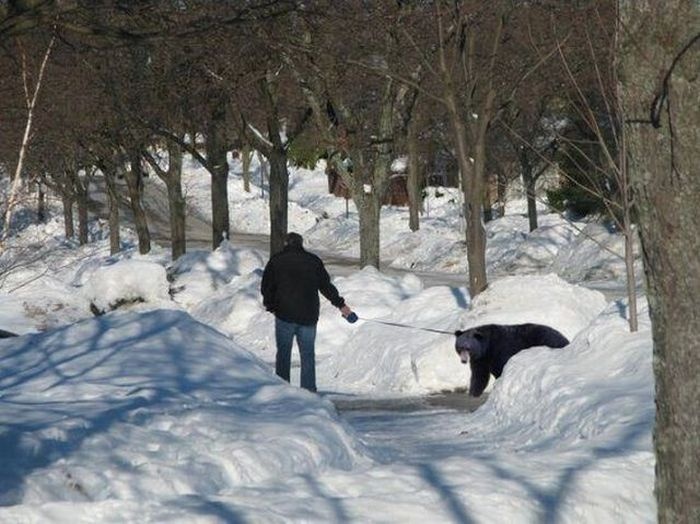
column 361, row 82
column 119, row 86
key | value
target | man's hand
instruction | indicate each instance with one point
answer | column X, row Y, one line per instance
column 348, row 314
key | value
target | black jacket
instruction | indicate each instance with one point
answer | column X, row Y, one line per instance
column 290, row 285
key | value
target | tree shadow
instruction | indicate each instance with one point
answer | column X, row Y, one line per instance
column 201, row 506
column 335, row 503
column 551, row 500
column 460, row 297
column 453, row 502
column 51, row 429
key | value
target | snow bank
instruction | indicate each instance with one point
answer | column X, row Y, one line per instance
column 127, row 281
column 374, row 358
column 595, row 255
column 586, row 414
column 128, row 407
column 44, row 271
column 545, row 299
column 381, row 359
column 385, row 360
column 198, row 275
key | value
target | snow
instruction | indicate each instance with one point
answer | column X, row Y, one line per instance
column 168, row 409
column 127, row 281
column 141, row 406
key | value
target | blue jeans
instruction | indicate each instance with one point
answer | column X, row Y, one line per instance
column 306, row 340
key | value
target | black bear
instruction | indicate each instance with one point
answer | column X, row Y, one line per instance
column 487, row 348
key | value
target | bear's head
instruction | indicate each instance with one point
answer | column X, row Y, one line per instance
column 471, row 343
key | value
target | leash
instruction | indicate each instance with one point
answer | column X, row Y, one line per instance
column 406, row 326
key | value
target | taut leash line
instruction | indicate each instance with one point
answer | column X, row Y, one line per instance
column 406, row 326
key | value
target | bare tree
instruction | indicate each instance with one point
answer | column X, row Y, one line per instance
column 609, row 175
column 172, row 177
column 31, row 95
column 273, row 139
column 355, row 101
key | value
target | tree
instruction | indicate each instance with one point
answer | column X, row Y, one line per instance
column 469, row 42
column 31, row 95
column 532, row 138
column 356, row 103
column 271, row 115
column 177, row 206
column 660, row 90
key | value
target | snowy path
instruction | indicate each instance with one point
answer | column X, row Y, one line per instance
column 409, row 430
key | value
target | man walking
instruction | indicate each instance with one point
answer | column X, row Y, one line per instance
column 290, row 286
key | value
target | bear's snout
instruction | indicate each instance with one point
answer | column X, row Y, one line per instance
column 463, row 356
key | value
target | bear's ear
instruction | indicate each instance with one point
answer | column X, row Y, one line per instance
column 458, row 332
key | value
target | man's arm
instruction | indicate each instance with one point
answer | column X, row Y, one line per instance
column 329, row 291
column 327, row 288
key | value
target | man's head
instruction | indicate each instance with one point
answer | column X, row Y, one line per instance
column 294, row 240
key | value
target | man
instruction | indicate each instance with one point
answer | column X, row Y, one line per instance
column 290, row 286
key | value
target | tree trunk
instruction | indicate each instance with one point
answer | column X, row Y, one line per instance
column 82, row 201
column 369, row 210
column 134, row 184
column 68, row 215
column 529, row 183
column 176, row 202
column 502, row 187
column 664, row 164
column 41, row 203
column 487, row 202
column 628, row 229
column 414, row 178
column 113, row 206
column 276, row 154
column 246, row 159
column 370, row 202
column 31, row 101
column 279, row 196
column 475, row 233
column 216, row 158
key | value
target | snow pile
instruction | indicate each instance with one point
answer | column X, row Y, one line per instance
column 574, row 394
column 125, row 282
column 152, row 407
column 512, row 249
column 199, row 274
column 44, row 270
column 384, row 359
column 545, row 299
column 595, row 255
